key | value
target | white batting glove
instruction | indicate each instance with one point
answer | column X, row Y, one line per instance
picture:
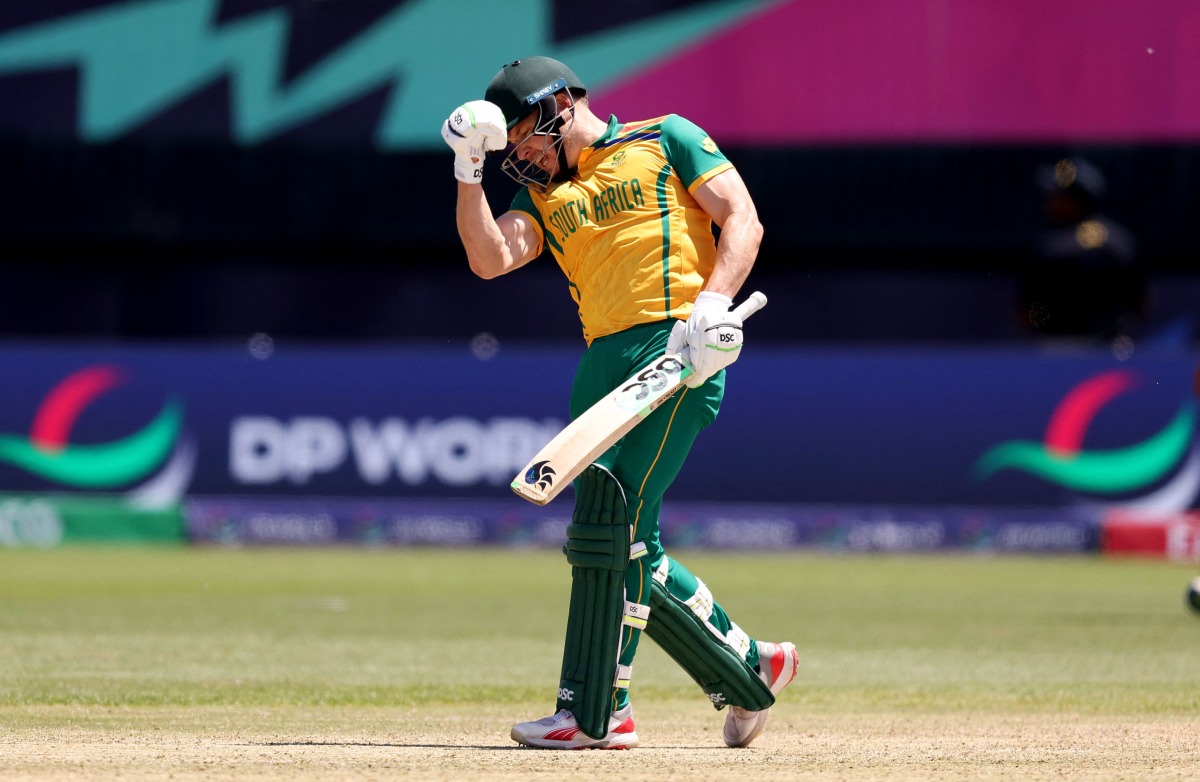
column 472, row 130
column 710, row 340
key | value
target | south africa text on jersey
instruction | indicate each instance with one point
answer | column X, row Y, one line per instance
column 570, row 217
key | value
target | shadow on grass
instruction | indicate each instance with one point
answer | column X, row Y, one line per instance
column 381, row 744
column 493, row 747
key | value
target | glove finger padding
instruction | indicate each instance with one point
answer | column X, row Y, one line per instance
column 472, row 130
column 476, row 118
column 677, row 342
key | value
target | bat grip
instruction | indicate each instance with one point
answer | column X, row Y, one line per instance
column 755, row 302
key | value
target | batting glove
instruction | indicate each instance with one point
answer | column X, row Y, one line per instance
column 472, row 130
column 710, row 340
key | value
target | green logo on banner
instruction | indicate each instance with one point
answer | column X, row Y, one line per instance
column 48, row 453
column 1135, row 469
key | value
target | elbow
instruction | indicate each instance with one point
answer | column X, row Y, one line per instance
column 743, row 221
column 756, row 231
column 483, row 268
column 484, row 273
column 750, row 230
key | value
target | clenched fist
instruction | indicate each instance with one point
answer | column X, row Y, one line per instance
column 472, row 130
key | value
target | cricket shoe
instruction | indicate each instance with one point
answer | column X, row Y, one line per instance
column 777, row 665
column 561, row 731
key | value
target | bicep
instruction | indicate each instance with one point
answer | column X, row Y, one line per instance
column 521, row 237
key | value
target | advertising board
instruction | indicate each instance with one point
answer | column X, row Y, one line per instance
column 881, row 442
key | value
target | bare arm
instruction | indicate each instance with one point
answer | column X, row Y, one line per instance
column 494, row 246
column 727, row 201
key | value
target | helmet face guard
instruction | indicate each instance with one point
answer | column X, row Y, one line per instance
column 550, row 124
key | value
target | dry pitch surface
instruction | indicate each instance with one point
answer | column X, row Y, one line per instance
column 679, row 741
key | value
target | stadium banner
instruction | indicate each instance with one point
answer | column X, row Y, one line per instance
column 50, row 520
column 248, row 72
column 1174, row 536
column 240, row 521
column 1032, row 435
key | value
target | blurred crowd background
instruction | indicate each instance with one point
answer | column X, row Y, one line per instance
column 927, row 172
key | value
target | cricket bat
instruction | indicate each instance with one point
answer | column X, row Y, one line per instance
column 591, row 434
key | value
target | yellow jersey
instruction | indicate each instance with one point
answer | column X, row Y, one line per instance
column 635, row 245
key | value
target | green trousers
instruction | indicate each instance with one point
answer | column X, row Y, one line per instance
column 646, row 462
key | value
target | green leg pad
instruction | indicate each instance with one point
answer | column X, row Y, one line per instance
column 713, row 664
column 598, row 550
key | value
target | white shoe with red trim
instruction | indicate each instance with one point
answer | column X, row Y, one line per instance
column 777, row 665
column 561, row 731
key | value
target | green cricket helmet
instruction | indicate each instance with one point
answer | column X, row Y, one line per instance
column 523, row 87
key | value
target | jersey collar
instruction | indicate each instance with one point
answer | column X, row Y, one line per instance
column 609, row 133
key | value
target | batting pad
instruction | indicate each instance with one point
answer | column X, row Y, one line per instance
column 598, row 550
column 713, row 664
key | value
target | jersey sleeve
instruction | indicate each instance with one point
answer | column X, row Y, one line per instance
column 523, row 202
column 691, row 152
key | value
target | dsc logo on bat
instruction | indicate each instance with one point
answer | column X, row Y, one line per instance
column 651, row 384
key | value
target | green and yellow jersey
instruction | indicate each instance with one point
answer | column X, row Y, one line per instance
column 635, row 245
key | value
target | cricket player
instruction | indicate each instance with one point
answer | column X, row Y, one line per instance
column 626, row 210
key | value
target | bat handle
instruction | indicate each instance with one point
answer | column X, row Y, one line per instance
column 755, row 302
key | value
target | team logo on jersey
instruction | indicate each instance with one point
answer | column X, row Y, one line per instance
column 709, row 145
column 618, row 159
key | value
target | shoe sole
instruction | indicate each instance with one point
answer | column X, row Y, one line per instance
column 626, row 743
column 759, row 725
column 625, row 740
column 780, row 678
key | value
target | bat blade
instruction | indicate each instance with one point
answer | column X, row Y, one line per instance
column 604, row 423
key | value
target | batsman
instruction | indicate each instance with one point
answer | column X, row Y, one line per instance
column 627, row 211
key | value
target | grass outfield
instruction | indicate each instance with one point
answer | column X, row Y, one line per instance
column 376, row 664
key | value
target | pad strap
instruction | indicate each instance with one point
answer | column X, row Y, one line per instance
column 636, row 615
